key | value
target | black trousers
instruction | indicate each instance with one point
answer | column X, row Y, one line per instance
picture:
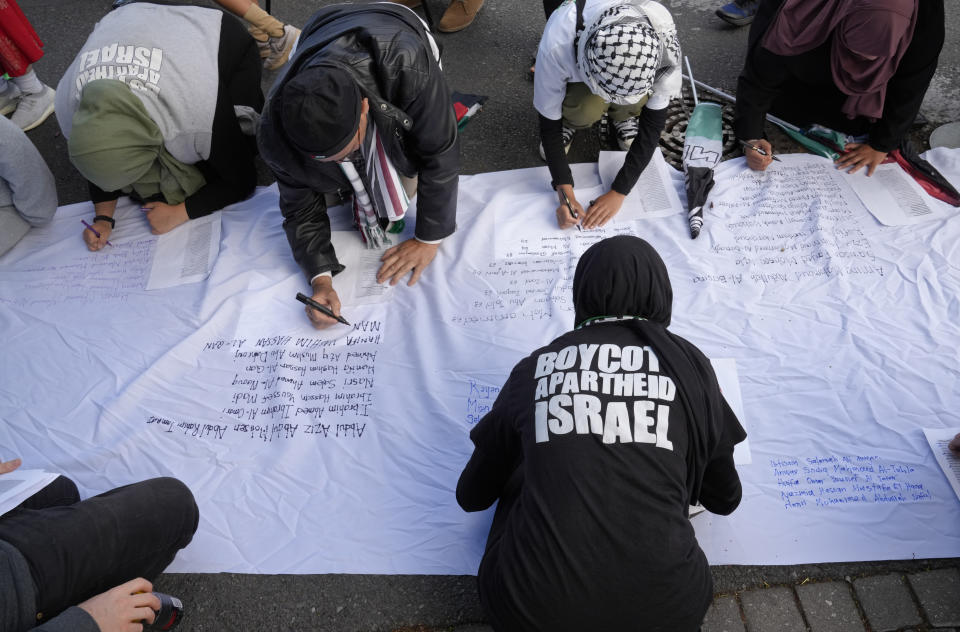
column 77, row 549
column 549, row 6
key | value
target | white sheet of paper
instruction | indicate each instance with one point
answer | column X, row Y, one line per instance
column 726, row 370
column 357, row 284
column 948, row 460
column 19, row 485
column 533, row 232
column 652, row 196
column 894, row 197
column 186, row 254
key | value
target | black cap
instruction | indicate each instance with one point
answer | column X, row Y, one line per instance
column 320, row 108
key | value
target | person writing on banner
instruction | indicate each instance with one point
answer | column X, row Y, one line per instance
column 596, row 446
column 860, row 67
column 161, row 104
column 68, row 565
column 362, row 110
column 613, row 58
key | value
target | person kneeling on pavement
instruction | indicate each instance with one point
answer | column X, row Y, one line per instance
column 162, row 104
column 86, row 566
column 618, row 59
column 28, row 192
column 362, row 111
column 596, row 446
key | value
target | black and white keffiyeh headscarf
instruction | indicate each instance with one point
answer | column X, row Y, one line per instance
column 619, row 54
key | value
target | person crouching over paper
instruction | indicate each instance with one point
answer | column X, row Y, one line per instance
column 361, row 111
column 613, row 58
column 161, row 105
column 855, row 66
column 596, row 447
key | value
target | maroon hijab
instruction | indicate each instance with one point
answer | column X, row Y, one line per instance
column 868, row 40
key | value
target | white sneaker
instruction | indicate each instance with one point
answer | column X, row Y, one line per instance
column 277, row 49
column 9, row 99
column 626, row 132
column 34, row 109
column 567, row 134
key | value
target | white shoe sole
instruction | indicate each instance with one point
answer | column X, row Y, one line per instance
column 43, row 117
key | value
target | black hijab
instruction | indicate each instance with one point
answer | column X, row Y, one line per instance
column 624, row 276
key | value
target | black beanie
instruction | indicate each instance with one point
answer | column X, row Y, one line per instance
column 320, row 108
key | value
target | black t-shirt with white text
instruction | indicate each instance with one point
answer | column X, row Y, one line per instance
column 594, row 453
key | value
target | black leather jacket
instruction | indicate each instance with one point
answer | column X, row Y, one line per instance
column 385, row 48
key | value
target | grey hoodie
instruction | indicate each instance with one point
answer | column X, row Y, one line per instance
column 168, row 57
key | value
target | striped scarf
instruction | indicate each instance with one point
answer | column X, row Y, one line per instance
column 379, row 201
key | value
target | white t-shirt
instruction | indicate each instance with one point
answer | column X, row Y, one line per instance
column 557, row 63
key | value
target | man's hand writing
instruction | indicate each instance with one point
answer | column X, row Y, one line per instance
column 324, row 294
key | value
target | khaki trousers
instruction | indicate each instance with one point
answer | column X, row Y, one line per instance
column 582, row 108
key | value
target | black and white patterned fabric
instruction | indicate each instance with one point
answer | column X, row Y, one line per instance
column 619, row 54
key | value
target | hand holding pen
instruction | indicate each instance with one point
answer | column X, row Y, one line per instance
column 759, row 153
column 94, row 238
column 320, row 323
column 568, row 212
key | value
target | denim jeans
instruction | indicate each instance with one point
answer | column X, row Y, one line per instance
column 76, row 549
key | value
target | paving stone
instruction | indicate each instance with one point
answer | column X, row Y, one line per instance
column 723, row 616
column 829, row 607
column 887, row 602
column 939, row 595
column 772, row 610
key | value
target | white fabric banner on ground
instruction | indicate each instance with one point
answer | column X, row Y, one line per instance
column 339, row 450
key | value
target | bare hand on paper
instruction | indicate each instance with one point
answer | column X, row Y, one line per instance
column 564, row 218
column 954, row 444
column 324, row 294
column 857, row 155
column 409, row 256
column 603, row 209
column 121, row 609
column 755, row 160
column 9, row 466
column 163, row 218
column 96, row 243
